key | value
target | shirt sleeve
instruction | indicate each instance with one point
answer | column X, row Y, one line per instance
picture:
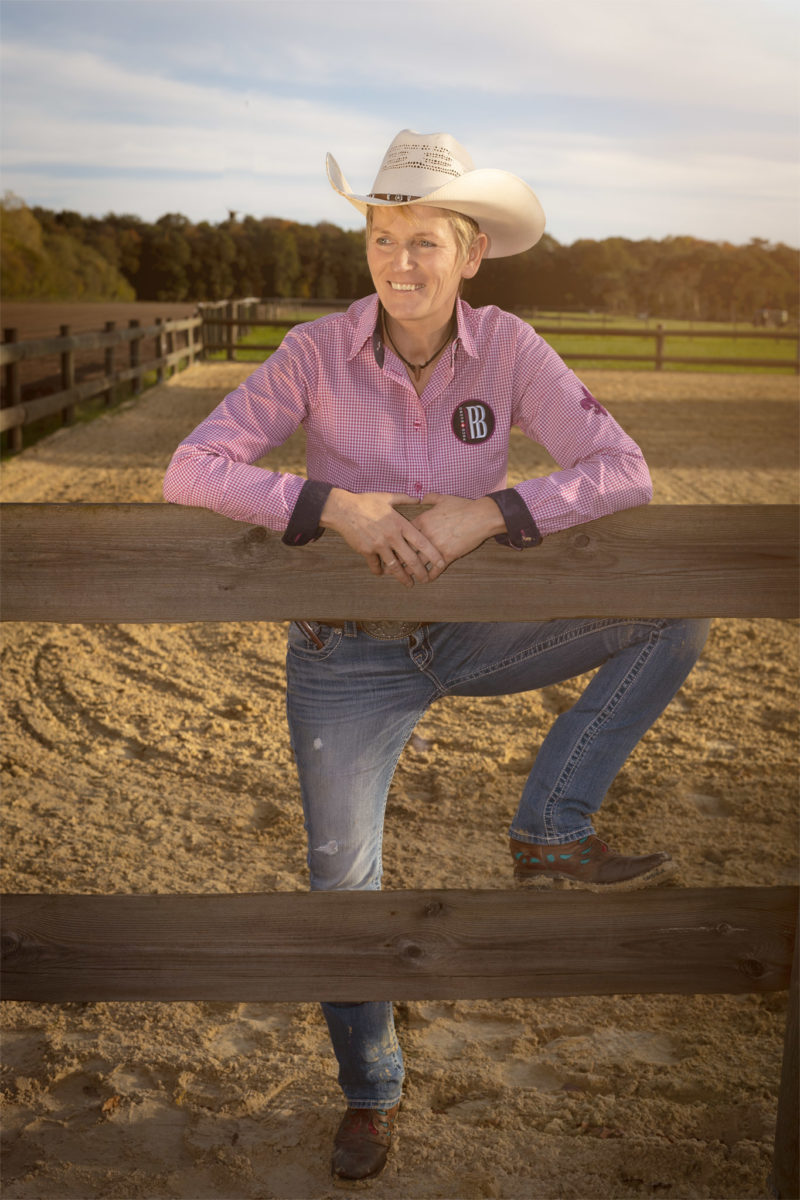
column 522, row 531
column 601, row 469
column 214, row 467
column 304, row 523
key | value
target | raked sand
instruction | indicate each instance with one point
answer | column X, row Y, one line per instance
column 155, row 758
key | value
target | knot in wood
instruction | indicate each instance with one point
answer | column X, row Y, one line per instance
column 752, row 968
column 253, row 537
column 433, row 908
column 10, row 943
column 582, row 539
column 422, row 950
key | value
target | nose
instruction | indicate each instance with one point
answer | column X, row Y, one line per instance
column 402, row 258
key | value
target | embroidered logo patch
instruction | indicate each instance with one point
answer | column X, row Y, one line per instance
column 590, row 404
column 473, row 422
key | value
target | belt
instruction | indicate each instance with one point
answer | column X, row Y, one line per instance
column 386, row 631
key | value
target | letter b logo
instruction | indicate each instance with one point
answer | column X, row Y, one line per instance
column 473, row 422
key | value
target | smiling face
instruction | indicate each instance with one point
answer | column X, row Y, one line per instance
column 417, row 266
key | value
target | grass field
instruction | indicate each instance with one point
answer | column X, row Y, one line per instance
column 682, row 342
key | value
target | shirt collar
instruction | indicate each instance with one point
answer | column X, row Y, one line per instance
column 464, row 317
column 366, row 325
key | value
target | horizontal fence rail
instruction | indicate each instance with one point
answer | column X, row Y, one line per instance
column 159, row 562
column 226, row 321
column 21, row 351
column 659, row 357
column 401, row 945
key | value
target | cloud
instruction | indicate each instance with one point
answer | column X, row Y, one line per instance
column 678, row 119
column 693, row 53
column 61, row 114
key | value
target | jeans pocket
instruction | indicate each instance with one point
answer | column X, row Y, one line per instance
column 302, row 645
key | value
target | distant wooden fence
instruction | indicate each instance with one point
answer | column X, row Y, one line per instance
column 218, row 328
column 18, row 412
column 657, row 357
column 162, row 563
column 225, row 321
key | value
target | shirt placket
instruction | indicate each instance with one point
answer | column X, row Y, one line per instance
column 414, row 450
column 420, row 469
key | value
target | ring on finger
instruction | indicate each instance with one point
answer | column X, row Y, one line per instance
column 390, row 564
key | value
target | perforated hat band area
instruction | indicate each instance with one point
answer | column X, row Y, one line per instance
column 395, row 199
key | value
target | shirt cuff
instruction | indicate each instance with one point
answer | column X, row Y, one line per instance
column 304, row 526
column 522, row 531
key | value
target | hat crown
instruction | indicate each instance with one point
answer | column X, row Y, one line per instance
column 434, row 169
column 418, row 163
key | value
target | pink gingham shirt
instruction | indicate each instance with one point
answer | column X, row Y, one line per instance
column 367, row 430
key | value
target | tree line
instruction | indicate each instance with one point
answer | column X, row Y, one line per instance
column 47, row 255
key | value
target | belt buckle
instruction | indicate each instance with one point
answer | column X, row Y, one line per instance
column 389, row 631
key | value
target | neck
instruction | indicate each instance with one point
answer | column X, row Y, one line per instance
column 417, row 345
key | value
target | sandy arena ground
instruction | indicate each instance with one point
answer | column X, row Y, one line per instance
column 155, row 758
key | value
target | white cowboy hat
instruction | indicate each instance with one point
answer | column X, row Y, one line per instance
column 432, row 168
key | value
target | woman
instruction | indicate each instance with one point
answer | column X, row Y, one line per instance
column 409, row 397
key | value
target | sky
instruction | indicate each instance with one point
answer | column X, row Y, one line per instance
column 632, row 118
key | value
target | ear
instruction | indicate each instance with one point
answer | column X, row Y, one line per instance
column 474, row 258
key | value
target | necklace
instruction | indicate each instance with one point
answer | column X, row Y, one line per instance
column 417, row 368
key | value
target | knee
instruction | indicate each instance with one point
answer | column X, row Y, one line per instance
column 335, row 867
column 689, row 636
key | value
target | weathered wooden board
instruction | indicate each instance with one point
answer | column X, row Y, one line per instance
column 396, row 945
column 152, row 562
column 11, row 352
column 43, row 406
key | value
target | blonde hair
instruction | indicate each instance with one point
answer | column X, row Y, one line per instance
column 465, row 230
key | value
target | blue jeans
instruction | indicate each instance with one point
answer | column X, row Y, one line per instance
column 353, row 704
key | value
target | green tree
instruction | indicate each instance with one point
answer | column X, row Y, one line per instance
column 47, row 263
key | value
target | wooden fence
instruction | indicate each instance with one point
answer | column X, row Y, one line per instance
column 162, row 563
column 218, row 327
column 159, row 562
column 17, row 412
column 224, row 322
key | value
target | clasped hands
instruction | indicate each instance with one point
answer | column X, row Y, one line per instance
column 415, row 550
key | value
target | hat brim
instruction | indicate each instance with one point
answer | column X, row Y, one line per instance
column 503, row 205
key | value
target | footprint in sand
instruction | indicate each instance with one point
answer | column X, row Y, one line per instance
column 450, row 1039
column 559, row 1061
column 710, row 806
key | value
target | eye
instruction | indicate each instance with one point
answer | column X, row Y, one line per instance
column 382, row 240
column 427, row 245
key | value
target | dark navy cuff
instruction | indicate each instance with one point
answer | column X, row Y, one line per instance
column 521, row 529
column 304, row 526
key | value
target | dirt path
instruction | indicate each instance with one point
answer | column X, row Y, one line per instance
column 146, row 758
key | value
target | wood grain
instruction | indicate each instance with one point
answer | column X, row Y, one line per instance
column 396, row 945
column 151, row 562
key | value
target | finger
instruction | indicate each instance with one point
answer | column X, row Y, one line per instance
column 397, row 569
column 406, row 563
column 426, row 552
column 434, row 570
